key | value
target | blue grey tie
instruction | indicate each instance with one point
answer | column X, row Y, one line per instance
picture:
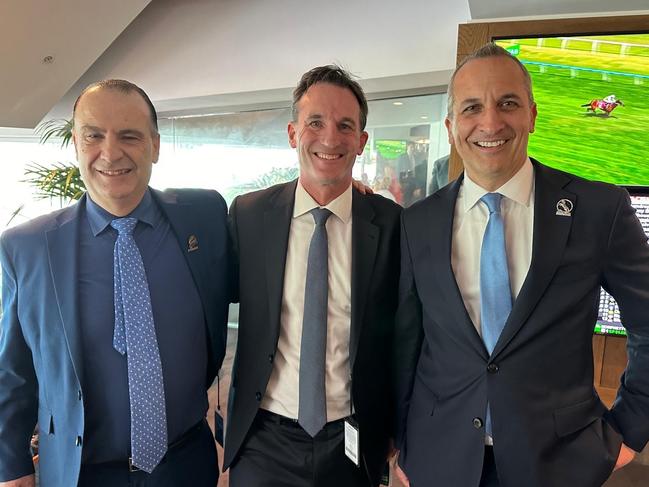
column 312, row 414
column 495, row 292
column 135, row 335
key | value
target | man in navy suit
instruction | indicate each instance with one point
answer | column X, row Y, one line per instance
column 58, row 363
column 496, row 388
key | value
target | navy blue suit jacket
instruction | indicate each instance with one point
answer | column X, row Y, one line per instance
column 550, row 428
column 41, row 372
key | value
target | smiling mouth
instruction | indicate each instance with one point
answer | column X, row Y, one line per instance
column 113, row 172
column 487, row 144
column 327, row 157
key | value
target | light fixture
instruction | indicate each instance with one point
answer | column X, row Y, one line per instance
column 424, row 117
column 397, row 103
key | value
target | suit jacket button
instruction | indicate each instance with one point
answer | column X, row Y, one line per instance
column 79, row 394
column 258, row 395
column 270, row 358
column 79, row 441
column 477, row 423
column 492, row 368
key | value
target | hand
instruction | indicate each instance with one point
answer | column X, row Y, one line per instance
column 26, row 481
column 360, row 187
column 624, row 458
column 403, row 478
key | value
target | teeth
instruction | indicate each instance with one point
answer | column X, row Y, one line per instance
column 113, row 172
column 329, row 157
column 494, row 143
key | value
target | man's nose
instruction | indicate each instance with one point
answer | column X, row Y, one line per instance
column 492, row 120
column 111, row 150
column 329, row 135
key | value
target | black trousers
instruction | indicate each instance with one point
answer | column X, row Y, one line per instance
column 192, row 462
column 489, row 474
column 279, row 453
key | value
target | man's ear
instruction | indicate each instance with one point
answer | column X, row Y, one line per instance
column 292, row 140
column 156, row 147
column 449, row 129
column 363, row 141
column 74, row 143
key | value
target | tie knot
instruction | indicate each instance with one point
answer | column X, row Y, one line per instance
column 492, row 200
column 124, row 226
column 320, row 215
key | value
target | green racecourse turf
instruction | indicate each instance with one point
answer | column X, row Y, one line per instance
column 614, row 148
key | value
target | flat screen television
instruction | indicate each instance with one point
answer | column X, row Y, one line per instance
column 592, row 93
column 608, row 317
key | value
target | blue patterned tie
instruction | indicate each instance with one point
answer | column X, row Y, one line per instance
column 495, row 292
column 312, row 414
column 135, row 336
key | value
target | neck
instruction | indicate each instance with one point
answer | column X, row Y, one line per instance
column 324, row 194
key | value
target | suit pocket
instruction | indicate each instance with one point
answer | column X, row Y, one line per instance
column 571, row 419
column 45, row 421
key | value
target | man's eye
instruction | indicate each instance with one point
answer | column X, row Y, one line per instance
column 470, row 109
column 316, row 124
column 93, row 136
column 346, row 127
column 509, row 104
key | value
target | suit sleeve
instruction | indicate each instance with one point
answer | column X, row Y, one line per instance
column 626, row 278
column 18, row 384
column 408, row 337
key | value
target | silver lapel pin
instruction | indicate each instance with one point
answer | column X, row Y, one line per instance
column 192, row 243
column 564, row 207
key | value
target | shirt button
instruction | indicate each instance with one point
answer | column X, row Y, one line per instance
column 492, row 368
column 258, row 395
column 79, row 441
column 477, row 423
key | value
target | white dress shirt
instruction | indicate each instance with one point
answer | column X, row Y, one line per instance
column 470, row 222
column 282, row 393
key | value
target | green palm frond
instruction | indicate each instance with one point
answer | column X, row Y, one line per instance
column 55, row 128
column 60, row 180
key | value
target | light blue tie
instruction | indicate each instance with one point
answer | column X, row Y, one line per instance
column 495, row 292
column 312, row 414
column 135, row 335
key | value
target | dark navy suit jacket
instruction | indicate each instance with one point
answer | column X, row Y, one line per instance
column 40, row 344
column 550, row 428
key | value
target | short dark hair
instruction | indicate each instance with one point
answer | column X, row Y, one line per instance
column 489, row 50
column 334, row 75
column 125, row 87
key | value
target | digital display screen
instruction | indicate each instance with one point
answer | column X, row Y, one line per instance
column 608, row 316
column 592, row 94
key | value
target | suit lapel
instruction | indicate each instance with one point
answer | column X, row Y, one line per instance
column 551, row 233
column 441, row 217
column 63, row 253
column 365, row 240
column 185, row 229
column 277, row 224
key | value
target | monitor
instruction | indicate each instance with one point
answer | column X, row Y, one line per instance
column 592, row 93
column 608, row 316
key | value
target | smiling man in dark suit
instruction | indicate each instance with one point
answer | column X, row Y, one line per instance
column 501, row 272
column 114, row 316
column 318, row 272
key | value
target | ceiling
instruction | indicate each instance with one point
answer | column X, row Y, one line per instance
column 46, row 47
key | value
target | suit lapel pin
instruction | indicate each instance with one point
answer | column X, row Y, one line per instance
column 192, row 243
column 564, row 207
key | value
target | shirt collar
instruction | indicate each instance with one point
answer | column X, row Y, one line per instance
column 518, row 188
column 100, row 219
column 341, row 206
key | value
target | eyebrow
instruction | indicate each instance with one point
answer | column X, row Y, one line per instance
column 92, row 128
